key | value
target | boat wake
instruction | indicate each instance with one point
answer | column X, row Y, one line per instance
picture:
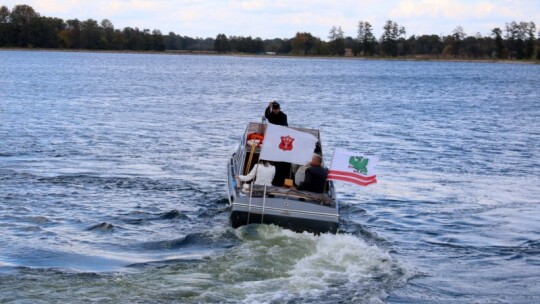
column 316, row 267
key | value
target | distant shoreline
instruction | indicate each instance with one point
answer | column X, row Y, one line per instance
column 175, row 52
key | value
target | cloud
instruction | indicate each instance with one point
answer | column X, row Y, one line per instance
column 250, row 5
column 462, row 10
column 430, row 16
column 280, row 18
column 429, row 8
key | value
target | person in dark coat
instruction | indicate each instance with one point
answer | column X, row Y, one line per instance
column 315, row 177
column 274, row 115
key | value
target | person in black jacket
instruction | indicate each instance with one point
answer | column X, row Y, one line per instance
column 274, row 115
column 315, row 177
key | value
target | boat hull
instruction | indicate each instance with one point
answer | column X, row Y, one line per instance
column 241, row 218
column 289, row 212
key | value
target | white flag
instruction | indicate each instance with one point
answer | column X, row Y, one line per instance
column 287, row 145
column 352, row 167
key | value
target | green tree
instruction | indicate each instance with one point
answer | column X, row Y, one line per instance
column 389, row 38
column 530, row 30
column 107, row 35
column 515, row 39
column 246, row 44
column 457, row 42
column 538, row 46
column 44, row 32
column 429, row 45
column 360, row 34
column 285, row 47
column 74, row 37
column 5, row 27
column 21, row 17
column 337, row 41
column 277, row 45
column 134, row 39
column 90, row 34
column 192, row 44
column 472, row 46
column 298, row 44
column 221, row 44
column 305, row 44
column 173, row 41
column 410, row 45
column 158, row 43
column 351, row 44
column 499, row 51
column 403, row 47
column 147, row 40
column 119, row 41
column 367, row 43
column 4, row 15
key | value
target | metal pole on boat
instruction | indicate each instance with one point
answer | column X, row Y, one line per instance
column 264, row 203
column 326, row 183
column 324, row 191
column 249, row 205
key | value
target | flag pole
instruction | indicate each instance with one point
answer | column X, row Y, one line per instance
column 333, row 155
column 253, row 146
column 324, row 191
column 326, row 183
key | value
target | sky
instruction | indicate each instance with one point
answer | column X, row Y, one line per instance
column 270, row 19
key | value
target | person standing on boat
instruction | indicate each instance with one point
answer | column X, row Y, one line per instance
column 263, row 172
column 315, row 176
column 274, row 114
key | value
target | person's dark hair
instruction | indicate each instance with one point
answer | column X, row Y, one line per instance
column 275, row 105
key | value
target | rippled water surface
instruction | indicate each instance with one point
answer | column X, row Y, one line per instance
column 112, row 170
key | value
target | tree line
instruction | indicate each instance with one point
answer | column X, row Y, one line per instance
column 23, row 27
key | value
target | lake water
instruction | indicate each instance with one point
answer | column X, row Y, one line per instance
column 112, row 180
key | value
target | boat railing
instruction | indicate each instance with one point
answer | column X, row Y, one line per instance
column 263, row 205
column 234, row 163
column 249, row 205
column 305, row 196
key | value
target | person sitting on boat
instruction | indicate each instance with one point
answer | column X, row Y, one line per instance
column 315, row 176
column 263, row 172
column 274, row 114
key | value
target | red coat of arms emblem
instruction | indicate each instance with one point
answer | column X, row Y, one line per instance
column 286, row 143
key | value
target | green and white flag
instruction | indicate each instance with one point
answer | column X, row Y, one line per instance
column 352, row 167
